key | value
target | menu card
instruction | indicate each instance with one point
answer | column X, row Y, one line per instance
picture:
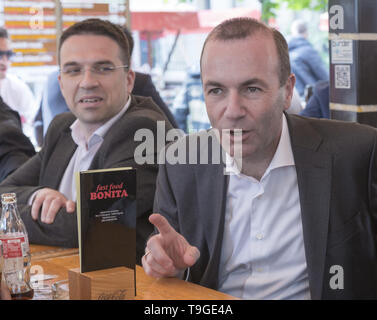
column 106, row 217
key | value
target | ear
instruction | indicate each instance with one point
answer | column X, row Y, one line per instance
column 130, row 80
column 60, row 81
column 289, row 86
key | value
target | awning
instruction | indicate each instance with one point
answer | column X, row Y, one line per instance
column 203, row 20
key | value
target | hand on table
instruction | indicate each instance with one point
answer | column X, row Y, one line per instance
column 51, row 201
column 167, row 253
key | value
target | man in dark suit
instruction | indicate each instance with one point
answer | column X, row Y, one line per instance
column 96, row 82
column 15, row 147
column 53, row 102
column 295, row 217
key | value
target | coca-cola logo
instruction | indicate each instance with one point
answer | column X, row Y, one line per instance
column 115, row 295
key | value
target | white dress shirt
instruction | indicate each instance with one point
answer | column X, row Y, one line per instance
column 263, row 255
column 85, row 152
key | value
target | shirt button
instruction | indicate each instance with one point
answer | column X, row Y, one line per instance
column 259, row 236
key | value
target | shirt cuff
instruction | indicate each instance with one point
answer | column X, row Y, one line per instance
column 187, row 274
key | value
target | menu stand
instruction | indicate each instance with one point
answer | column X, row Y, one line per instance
column 107, row 284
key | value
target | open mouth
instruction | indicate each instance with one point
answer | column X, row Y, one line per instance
column 239, row 135
column 237, row 132
column 90, row 100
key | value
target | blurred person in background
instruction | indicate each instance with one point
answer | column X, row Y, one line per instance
column 144, row 86
column 306, row 63
column 15, row 147
column 318, row 105
column 15, row 93
column 188, row 107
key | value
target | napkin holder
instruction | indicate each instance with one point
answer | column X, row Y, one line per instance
column 106, row 284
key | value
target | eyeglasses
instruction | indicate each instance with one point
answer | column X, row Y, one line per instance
column 100, row 69
column 7, row 53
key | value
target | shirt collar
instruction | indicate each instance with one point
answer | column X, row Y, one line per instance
column 98, row 135
column 283, row 156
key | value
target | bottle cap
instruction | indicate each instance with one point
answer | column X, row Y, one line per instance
column 8, row 198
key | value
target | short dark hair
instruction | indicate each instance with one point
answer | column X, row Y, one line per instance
column 101, row 28
column 130, row 39
column 299, row 27
column 3, row 33
column 241, row 28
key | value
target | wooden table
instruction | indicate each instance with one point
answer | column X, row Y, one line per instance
column 57, row 261
column 39, row 252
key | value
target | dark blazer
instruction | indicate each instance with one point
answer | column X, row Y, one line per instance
column 46, row 169
column 15, row 147
column 337, row 179
column 318, row 105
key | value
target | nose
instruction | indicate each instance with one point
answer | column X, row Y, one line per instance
column 235, row 108
column 88, row 79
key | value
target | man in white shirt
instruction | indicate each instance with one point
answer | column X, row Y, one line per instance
column 296, row 218
column 15, row 93
column 96, row 82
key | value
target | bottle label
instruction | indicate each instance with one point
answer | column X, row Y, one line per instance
column 13, row 247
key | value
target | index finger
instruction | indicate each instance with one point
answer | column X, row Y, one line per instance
column 162, row 225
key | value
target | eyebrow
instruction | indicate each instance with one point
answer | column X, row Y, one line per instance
column 252, row 81
column 212, row 84
column 73, row 63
